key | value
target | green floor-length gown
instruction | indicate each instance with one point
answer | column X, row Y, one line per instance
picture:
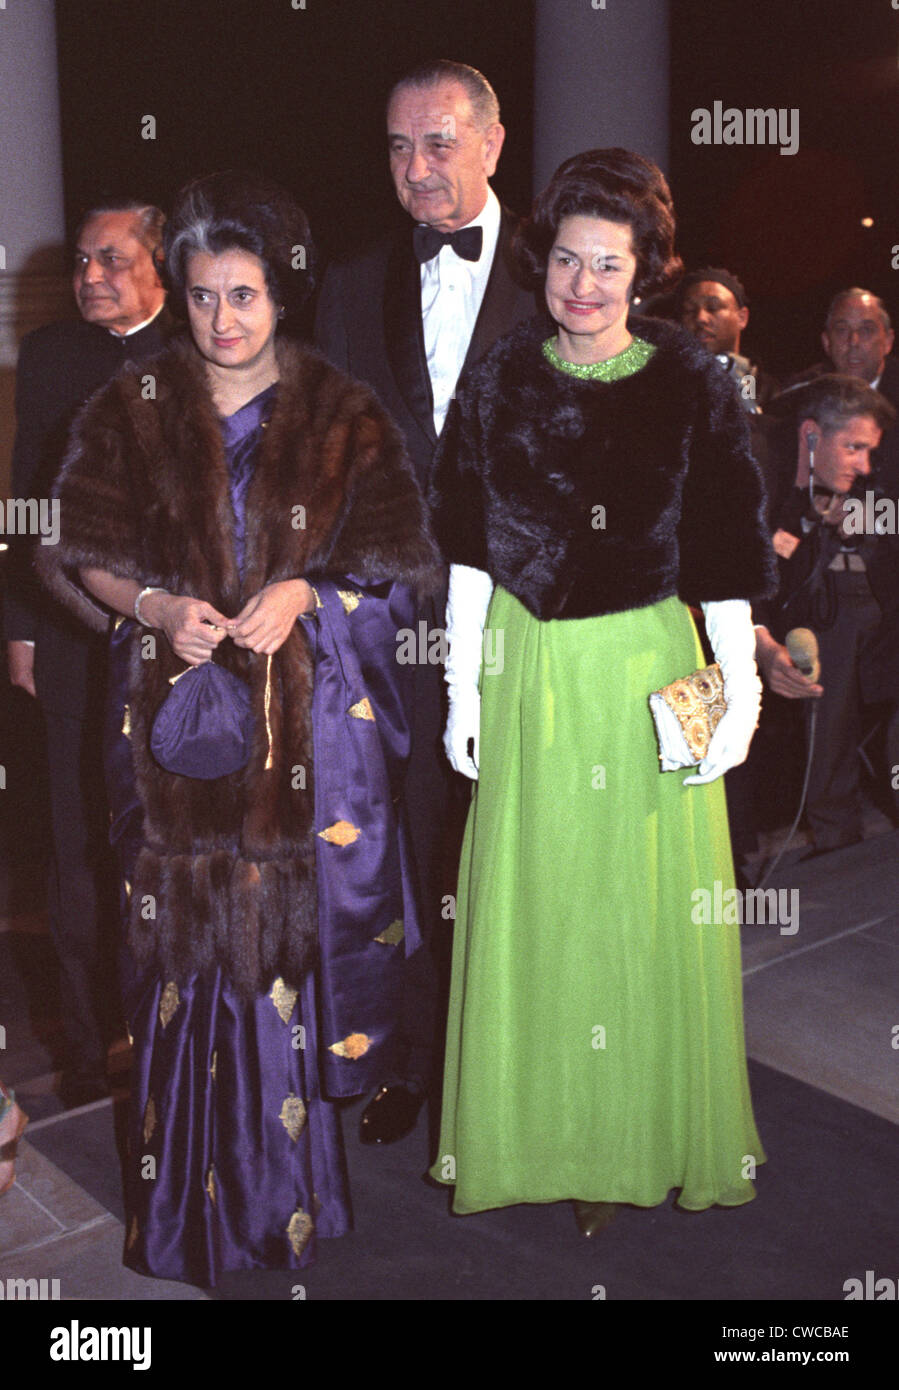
column 595, row 1043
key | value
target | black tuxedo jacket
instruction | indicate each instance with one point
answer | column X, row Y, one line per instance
column 59, row 367
column 889, row 381
column 369, row 324
column 886, row 458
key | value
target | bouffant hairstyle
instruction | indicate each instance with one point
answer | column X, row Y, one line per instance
column 619, row 186
column 231, row 210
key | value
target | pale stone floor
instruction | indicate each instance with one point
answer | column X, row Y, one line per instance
column 821, row 1005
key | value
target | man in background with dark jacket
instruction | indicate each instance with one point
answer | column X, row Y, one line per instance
column 52, row 657
column 836, row 540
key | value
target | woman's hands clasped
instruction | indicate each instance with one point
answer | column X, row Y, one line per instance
column 194, row 628
column 264, row 623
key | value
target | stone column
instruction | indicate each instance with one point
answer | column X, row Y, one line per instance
column 34, row 283
column 601, row 78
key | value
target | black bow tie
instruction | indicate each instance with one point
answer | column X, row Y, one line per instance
column 467, row 242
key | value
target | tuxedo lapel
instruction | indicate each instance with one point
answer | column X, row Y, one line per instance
column 501, row 307
column 404, row 334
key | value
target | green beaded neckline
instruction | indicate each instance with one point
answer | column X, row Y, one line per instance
column 624, row 363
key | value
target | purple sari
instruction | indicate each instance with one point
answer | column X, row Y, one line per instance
column 235, row 1152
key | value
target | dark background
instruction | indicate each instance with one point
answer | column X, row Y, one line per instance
column 296, row 94
column 790, row 225
column 299, row 94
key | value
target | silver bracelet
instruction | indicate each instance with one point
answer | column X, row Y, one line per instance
column 151, row 589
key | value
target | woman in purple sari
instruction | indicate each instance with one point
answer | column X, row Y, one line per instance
column 243, row 506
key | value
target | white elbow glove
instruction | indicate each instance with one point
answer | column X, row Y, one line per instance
column 466, row 613
column 732, row 638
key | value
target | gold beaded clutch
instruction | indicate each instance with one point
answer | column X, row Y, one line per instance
column 687, row 713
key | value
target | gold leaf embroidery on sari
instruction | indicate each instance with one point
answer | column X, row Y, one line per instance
column 340, row 833
column 299, row 1230
column 353, row 1046
column 283, row 998
column 350, row 599
column 392, row 935
column 169, row 1003
column 293, row 1116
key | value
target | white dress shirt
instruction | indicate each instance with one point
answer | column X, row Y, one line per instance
column 451, row 293
column 138, row 326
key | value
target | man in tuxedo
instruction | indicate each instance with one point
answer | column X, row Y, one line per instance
column 406, row 316
column 839, row 575
column 121, row 303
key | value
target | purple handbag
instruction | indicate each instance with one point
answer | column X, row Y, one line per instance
column 204, row 727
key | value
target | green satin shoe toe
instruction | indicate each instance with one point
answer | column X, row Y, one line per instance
column 592, row 1217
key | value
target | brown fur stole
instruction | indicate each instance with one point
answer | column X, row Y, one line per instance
column 144, row 494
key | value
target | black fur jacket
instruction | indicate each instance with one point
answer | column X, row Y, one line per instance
column 144, row 494
column 585, row 497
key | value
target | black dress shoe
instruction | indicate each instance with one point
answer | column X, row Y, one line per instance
column 390, row 1115
column 592, row 1217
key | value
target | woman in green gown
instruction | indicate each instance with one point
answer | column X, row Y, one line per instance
column 589, row 486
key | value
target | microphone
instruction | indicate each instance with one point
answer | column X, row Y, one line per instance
column 802, row 644
column 811, row 440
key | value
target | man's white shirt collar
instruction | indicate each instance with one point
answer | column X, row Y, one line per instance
column 452, row 291
column 488, row 219
column 138, row 326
